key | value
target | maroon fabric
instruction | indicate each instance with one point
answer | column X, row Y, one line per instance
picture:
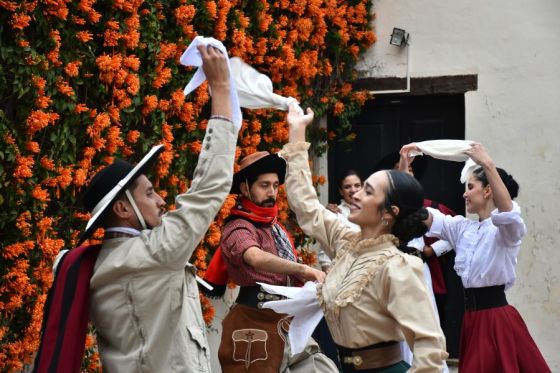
column 239, row 235
column 497, row 340
column 438, row 281
column 66, row 313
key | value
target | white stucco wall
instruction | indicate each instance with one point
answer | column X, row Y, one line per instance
column 514, row 47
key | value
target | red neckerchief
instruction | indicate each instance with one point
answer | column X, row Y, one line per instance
column 249, row 210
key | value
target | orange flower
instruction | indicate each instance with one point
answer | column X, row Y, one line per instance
column 64, row 178
column 80, row 177
column 133, row 83
column 177, row 99
column 211, row 9
column 44, row 224
column 195, row 147
column 17, row 249
column 32, row 146
column 39, row 83
column 20, row 21
column 94, row 16
column 78, row 20
column 184, row 14
column 132, row 62
column 47, row 163
column 164, row 105
column 72, row 68
column 42, row 102
column 114, row 140
column 22, row 223
column 338, row 108
column 208, row 311
column 40, row 194
column 150, row 104
column 63, row 87
column 163, row 76
column 167, row 132
column 84, row 36
column 80, row 108
column 9, row 139
column 24, row 166
column 131, row 38
column 10, row 6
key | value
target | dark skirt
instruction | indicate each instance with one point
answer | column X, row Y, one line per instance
column 497, row 340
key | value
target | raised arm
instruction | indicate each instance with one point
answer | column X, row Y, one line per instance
column 217, row 73
column 173, row 242
column 314, row 219
column 500, row 194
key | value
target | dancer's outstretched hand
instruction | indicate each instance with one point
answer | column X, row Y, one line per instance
column 405, row 158
column 479, row 155
column 297, row 122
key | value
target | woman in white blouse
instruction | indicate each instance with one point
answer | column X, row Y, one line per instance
column 494, row 337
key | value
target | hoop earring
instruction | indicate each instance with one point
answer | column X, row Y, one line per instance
column 384, row 222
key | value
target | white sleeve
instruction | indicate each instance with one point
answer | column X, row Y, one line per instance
column 441, row 247
column 446, row 227
column 511, row 227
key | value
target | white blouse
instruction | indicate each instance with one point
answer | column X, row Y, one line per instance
column 486, row 250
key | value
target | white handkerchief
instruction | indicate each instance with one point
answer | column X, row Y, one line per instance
column 449, row 150
column 191, row 57
column 303, row 305
column 255, row 89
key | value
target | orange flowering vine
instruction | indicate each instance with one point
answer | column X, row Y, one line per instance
column 100, row 80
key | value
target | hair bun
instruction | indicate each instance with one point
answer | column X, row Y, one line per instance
column 411, row 226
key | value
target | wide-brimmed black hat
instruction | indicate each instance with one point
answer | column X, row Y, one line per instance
column 257, row 164
column 390, row 160
column 108, row 184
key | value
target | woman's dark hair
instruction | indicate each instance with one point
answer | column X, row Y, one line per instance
column 508, row 180
column 406, row 193
column 345, row 175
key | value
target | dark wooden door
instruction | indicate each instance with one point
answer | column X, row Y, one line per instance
column 385, row 124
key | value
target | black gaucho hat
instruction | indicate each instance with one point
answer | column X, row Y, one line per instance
column 257, row 164
column 390, row 160
column 108, row 184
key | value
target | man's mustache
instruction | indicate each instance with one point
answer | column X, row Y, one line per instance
column 268, row 200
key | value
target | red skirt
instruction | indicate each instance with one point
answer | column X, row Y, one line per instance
column 496, row 340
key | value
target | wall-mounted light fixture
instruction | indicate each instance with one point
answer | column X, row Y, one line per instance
column 399, row 37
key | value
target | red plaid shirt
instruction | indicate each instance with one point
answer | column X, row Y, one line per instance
column 239, row 235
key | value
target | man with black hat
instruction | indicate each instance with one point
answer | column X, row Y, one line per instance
column 143, row 302
column 256, row 248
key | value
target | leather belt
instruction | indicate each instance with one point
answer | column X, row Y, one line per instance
column 380, row 355
column 484, row 298
column 255, row 296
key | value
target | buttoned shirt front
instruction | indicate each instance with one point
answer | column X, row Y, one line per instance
column 239, row 235
column 486, row 250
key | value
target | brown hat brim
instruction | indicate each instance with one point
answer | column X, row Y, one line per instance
column 271, row 163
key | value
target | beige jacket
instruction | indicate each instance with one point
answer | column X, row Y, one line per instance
column 373, row 292
column 144, row 303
